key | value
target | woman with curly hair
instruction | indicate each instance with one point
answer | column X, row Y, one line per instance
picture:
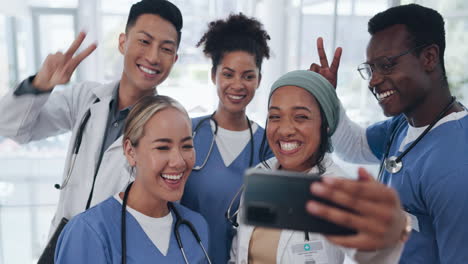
column 227, row 142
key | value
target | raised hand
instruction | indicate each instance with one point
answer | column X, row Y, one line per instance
column 329, row 72
column 377, row 217
column 59, row 67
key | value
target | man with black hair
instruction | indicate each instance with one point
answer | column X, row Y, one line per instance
column 95, row 165
column 422, row 147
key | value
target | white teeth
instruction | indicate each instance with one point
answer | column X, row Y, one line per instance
column 236, row 97
column 288, row 145
column 147, row 70
column 172, row 176
column 381, row 96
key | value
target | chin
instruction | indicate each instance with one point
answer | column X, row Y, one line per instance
column 390, row 112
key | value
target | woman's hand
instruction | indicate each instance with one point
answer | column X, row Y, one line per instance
column 377, row 215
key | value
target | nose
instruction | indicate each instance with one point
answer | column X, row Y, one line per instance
column 238, row 83
column 376, row 79
column 153, row 56
column 286, row 127
column 177, row 160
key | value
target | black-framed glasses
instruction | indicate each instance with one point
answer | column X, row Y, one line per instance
column 382, row 65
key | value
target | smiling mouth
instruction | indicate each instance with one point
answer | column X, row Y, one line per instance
column 384, row 95
column 172, row 177
column 148, row 70
column 289, row 146
column 236, row 97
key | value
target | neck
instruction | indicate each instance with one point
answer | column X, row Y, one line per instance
column 142, row 202
column 430, row 108
column 129, row 95
column 231, row 121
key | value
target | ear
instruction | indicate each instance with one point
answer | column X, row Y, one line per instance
column 122, row 40
column 176, row 58
column 430, row 57
column 129, row 151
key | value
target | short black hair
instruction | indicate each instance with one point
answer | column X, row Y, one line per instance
column 425, row 25
column 236, row 33
column 162, row 8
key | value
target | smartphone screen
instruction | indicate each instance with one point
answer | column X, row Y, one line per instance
column 277, row 199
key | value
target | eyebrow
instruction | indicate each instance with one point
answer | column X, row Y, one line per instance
column 167, row 41
column 168, row 140
column 229, row 69
column 294, row 108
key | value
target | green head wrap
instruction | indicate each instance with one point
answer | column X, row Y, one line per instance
column 319, row 87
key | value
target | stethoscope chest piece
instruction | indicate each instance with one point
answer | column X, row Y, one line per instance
column 392, row 165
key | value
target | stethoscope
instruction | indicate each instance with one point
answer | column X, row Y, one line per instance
column 394, row 164
column 211, row 117
column 179, row 222
column 76, row 148
column 230, row 217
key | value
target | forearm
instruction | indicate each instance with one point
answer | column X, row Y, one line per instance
column 29, row 115
column 389, row 255
column 350, row 141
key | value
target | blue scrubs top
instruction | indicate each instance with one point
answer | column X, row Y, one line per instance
column 210, row 190
column 94, row 236
column 433, row 187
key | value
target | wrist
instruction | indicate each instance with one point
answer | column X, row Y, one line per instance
column 40, row 85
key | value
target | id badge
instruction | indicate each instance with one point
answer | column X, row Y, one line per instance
column 310, row 252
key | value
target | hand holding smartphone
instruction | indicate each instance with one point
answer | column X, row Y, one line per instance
column 277, row 199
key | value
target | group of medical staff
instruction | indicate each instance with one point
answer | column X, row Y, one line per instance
column 144, row 183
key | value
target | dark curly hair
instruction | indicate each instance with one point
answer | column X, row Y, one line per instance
column 236, row 33
column 425, row 26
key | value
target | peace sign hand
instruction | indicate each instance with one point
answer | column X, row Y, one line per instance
column 59, row 67
column 329, row 72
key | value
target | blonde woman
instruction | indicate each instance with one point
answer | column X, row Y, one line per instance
column 142, row 224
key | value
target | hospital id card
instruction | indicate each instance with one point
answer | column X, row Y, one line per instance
column 310, row 252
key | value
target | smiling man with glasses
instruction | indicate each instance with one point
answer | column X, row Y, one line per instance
column 422, row 147
column 382, row 65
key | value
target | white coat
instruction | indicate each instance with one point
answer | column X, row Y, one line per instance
column 28, row 117
column 290, row 240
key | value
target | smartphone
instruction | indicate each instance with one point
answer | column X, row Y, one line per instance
column 277, row 199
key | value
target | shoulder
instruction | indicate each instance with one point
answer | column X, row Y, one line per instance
column 85, row 93
column 260, row 130
column 196, row 120
column 387, row 124
column 98, row 216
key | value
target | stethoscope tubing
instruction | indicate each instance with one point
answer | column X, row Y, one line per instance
column 416, row 141
column 179, row 222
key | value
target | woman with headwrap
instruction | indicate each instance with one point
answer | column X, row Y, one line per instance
column 302, row 115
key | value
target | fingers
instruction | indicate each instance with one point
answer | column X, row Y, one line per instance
column 362, row 207
column 75, row 61
column 362, row 223
column 336, row 60
column 367, row 190
column 361, row 242
column 321, row 53
column 364, row 175
column 75, row 45
column 314, row 67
